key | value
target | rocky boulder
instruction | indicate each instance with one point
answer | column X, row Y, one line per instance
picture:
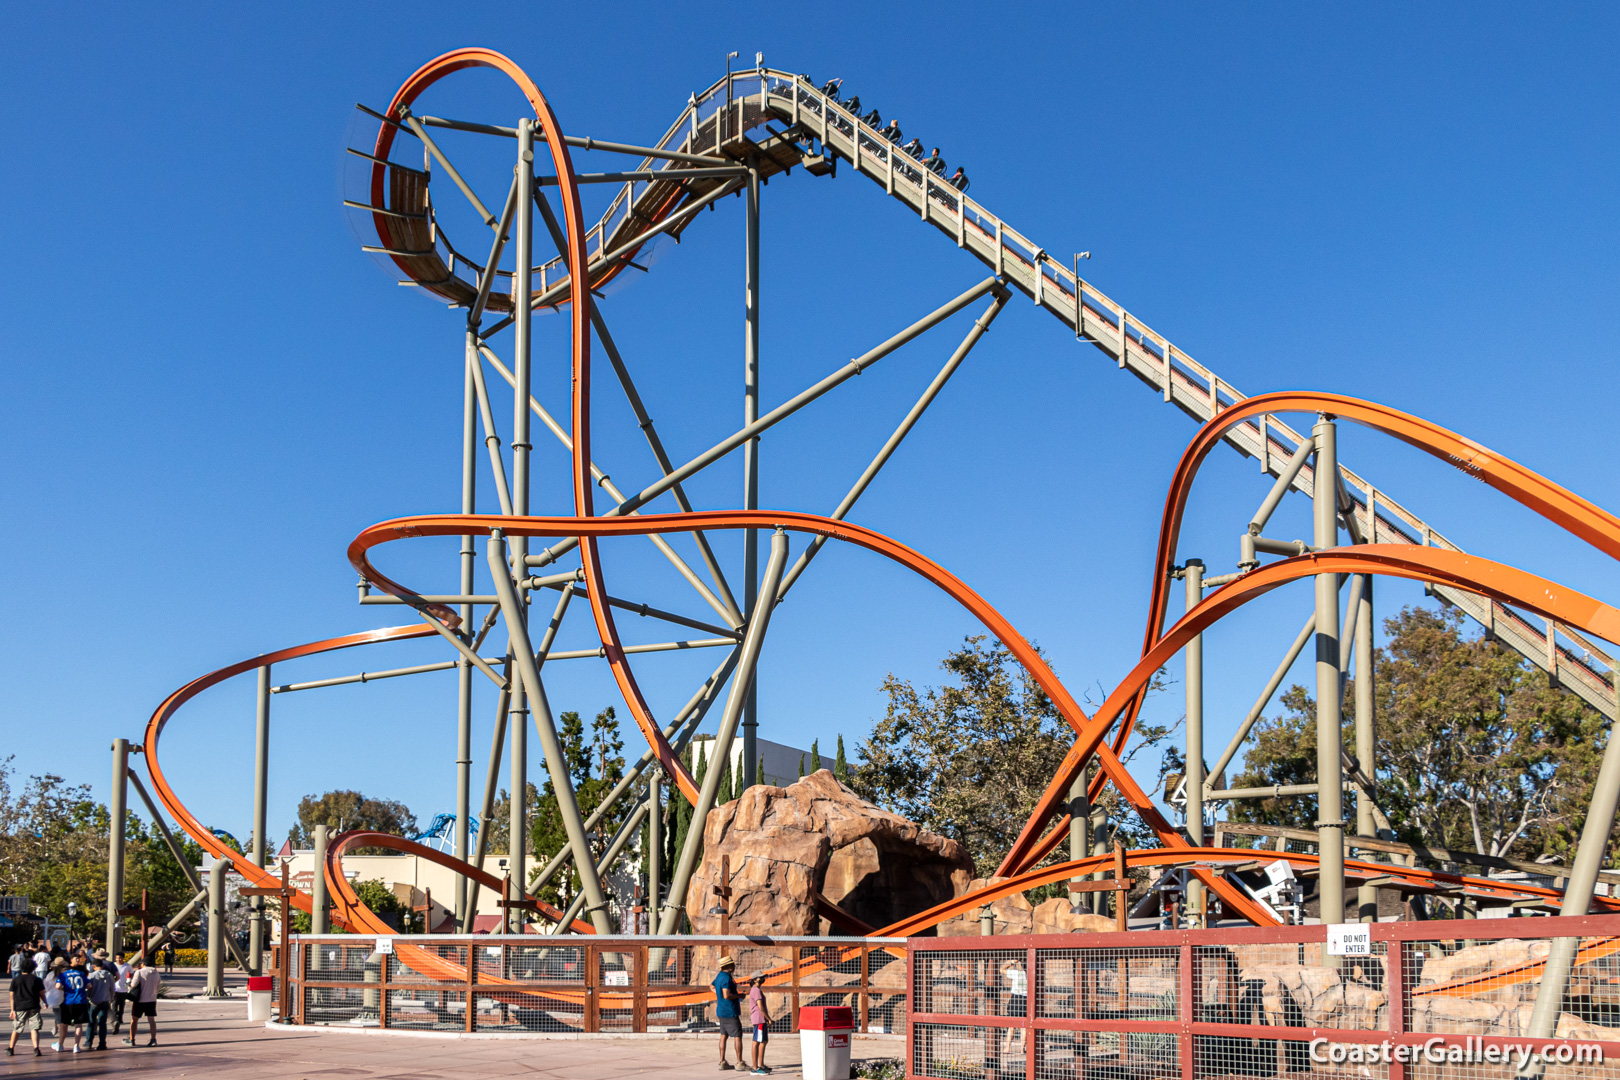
column 787, row 845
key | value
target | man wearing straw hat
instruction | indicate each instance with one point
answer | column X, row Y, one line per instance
column 726, row 1010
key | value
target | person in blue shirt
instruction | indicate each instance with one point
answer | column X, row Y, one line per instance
column 75, row 1003
column 726, row 1010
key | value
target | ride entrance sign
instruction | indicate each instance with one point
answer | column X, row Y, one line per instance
column 1349, row 939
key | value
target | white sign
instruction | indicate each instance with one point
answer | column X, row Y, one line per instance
column 1350, row 939
column 385, row 946
column 617, row 978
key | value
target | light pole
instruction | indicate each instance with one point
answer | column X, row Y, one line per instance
column 73, row 910
column 1079, row 298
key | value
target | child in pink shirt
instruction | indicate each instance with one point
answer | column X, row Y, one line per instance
column 760, row 1018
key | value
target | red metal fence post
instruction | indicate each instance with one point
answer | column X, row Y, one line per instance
column 1395, row 986
column 1186, row 1009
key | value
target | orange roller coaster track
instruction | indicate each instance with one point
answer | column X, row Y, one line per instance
column 1101, row 737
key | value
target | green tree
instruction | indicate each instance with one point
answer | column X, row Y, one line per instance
column 840, row 766
column 1476, row 749
column 967, row 760
column 595, row 766
column 815, row 755
column 345, row 810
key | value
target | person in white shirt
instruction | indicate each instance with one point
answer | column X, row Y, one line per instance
column 143, row 988
column 42, row 961
column 122, row 972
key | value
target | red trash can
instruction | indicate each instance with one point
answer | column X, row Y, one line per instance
column 260, row 988
column 824, row 1036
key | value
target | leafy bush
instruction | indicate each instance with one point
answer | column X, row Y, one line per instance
column 193, row 958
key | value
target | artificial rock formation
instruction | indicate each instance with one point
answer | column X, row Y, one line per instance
column 786, row 845
column 1015, row 915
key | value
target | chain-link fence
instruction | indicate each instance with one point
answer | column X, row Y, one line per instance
column 586, row 984
column 1419, row 1001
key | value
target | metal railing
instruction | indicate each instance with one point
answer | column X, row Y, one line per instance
column 584, row 984
column 1262, row 1002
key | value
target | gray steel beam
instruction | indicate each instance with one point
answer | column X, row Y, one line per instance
column 116, row 827
column 1329, row 768
column 679, row 731
column 1265, row 696
column 726, row 608
column 438, row 155
column 1366, row 737
column 753, row 640
column 1193, row 654
column 179, row 857
column 320, row 906
column 514, row 604
column 615, row 848
column 583, row 142
column 778, row 414
column 486, row 280
column 528, row 671
column 980, row 326
column 656, row 444
column 750, row 477
column 469, row 505
column 261, row 795
column 631, row 175
column 215, row 987
column 492, row 779
column 655, row 844
column 1577, row 899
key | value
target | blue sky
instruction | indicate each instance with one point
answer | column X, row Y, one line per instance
column 208, row 389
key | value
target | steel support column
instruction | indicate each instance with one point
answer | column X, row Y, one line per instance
column 1577, row 897
column 655, row 843
column 261, row 790
column 469, row 505
column 1079, row 831
column 320, row 908
column 1193, row 577
column 516, row 615
column 118, row 805
column 1366, row 738
column 216, row 928
column 527, row 677
column 720, row 749
column 750, row 723
column 1329, row 767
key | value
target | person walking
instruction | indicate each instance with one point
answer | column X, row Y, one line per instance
column 54, row 994
column 100, row 981
column 759, row 1018
column 168, row 958
column 75, row 1003
column 143, row 991
column 121, row 973
column 27, row 992
column 14, row 963
column 42, row 960
column 726, row 1011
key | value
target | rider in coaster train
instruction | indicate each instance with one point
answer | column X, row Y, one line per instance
column 914, row 148
column 873, row 119
column 959, row 179
column 935, row 163
column 893, row 133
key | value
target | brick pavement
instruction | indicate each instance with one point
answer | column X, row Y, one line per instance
column 211, row 1039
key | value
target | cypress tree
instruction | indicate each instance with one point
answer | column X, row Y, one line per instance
column 801, row 766
column 815, row 755
column 759, row 770
column 840, row 766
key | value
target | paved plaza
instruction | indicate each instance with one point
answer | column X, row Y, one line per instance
column 201, row 1039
